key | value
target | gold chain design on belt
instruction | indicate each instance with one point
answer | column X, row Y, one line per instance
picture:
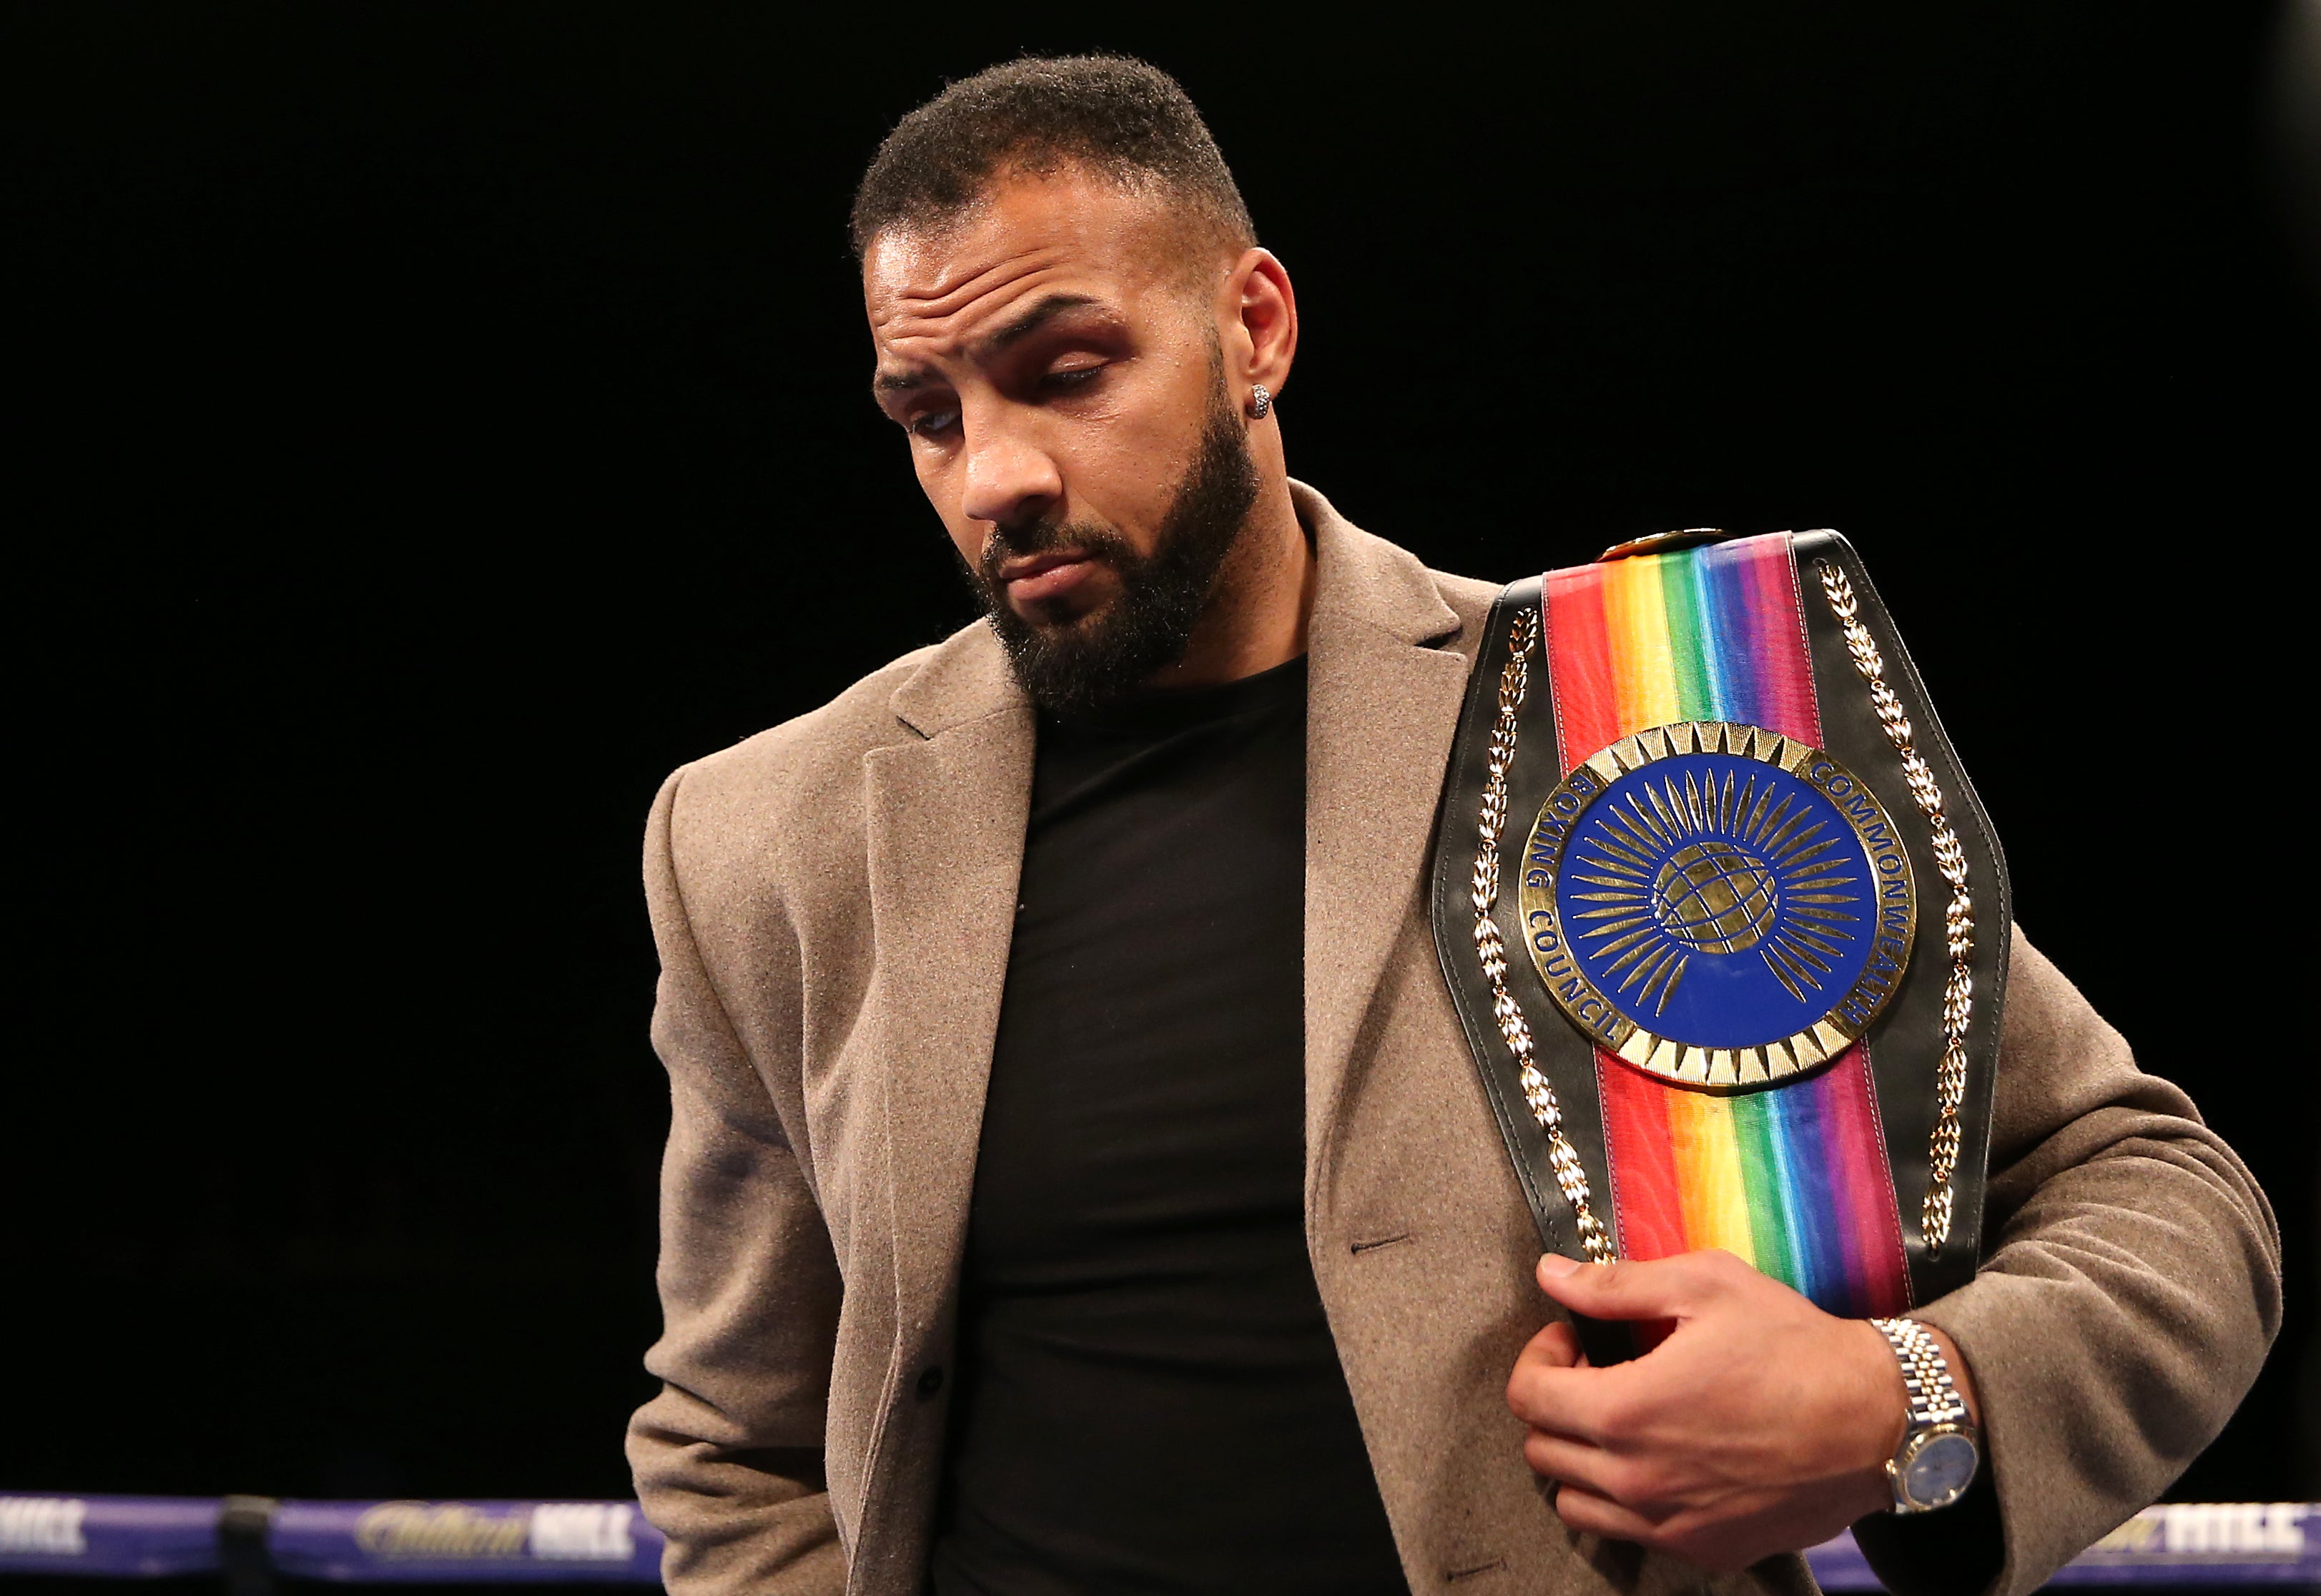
column 1958, row 995
column 1515, row 680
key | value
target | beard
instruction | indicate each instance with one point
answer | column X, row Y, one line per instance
column 1078, row 666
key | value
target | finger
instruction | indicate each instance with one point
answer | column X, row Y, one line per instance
column 1656, row 1288
column 1558, row 1347
column 1572, row 1463
column 1555, row 1347
column 1585, row 1510
column 1575, row 1402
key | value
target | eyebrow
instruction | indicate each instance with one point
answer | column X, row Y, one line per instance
column 1040, row 315
column 1047, row 309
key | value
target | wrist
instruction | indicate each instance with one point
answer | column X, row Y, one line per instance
column 1892, row 1402
column 1885, row 1409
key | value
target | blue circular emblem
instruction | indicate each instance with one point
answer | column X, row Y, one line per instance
column 1718, row 903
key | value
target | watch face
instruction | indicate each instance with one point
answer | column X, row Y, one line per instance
column 1940, row 1470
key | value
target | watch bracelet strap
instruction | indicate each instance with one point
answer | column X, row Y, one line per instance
column 1925, row 1375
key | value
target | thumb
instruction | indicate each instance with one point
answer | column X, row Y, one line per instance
column 1656, row 1288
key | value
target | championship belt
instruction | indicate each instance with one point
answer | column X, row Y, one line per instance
column 1725, row 922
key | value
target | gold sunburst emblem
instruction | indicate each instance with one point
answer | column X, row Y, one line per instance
column 1716, row 903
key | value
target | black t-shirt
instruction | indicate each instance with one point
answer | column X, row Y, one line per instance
column 1149, row 1398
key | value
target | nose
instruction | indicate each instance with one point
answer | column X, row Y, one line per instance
column 1009, row 478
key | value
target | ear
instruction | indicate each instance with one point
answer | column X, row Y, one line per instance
column 1257, row 313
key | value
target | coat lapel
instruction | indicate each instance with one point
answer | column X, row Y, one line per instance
column 1382, row 706
column 946, row 819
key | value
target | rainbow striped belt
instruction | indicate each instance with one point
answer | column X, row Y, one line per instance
column 1679, row 893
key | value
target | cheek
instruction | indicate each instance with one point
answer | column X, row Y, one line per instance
column 1127, row 466
column 935, row 480
column 966, row 536
column 969, row 542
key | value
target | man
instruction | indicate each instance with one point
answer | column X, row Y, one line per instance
column 1078, row 1180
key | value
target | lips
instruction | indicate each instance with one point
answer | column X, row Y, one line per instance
column 1039, row 578
column 1026, row 567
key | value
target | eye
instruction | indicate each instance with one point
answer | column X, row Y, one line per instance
column 1070, row 377
column 930, row 423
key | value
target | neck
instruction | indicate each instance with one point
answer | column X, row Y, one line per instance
column 1257, row 613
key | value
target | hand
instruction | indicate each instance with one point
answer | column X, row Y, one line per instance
column 1760, row 1425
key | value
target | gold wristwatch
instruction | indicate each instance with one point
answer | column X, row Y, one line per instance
column 1940, row 1451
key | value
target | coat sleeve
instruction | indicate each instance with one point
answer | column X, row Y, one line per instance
column 2129, row 1290
column 728, row 1458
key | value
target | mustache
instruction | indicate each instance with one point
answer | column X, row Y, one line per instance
column 1048, row 536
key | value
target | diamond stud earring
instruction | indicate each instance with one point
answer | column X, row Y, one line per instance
column 1261, row 401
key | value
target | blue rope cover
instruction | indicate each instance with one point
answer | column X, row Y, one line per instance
column 609, row 1542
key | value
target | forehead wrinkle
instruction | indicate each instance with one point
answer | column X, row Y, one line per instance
column 965, row 282
column 962, row 296
column 941, row 335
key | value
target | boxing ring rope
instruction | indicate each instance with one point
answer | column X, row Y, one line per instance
column 250, row 1539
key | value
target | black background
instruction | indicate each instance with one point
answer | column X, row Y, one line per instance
column 432, row 424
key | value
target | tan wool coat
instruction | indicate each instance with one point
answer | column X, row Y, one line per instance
column 832, row 901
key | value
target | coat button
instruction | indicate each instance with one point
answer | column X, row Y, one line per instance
column 930, row 1381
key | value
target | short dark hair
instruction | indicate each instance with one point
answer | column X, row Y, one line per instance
column 1122, row 119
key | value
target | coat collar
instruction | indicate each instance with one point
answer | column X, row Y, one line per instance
column 966, row 679
column 1365, row 581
